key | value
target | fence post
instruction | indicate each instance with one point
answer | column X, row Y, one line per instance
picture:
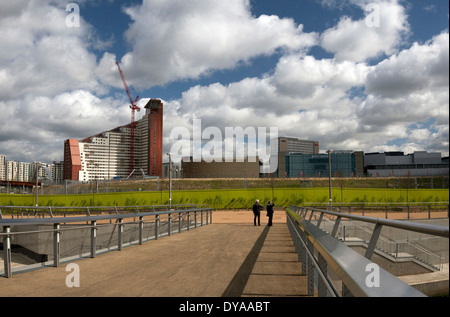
column 169, row 224
column 179, row 222
column 310, row 269
column 93, row 238
column 7, row 251
column 303, row 255
column 373, row 241
column 188, row 220
column 322, row 289
column 141, row 229
column 120, row 232
column 156, row 227
column 56, row 245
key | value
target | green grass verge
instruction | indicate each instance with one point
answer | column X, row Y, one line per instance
column 235, row 198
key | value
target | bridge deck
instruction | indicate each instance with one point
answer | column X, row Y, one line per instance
column 227, row 258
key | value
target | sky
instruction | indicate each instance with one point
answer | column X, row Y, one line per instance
column 358, row 75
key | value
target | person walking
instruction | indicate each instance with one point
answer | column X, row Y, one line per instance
column 270, row 205
column 256, row 212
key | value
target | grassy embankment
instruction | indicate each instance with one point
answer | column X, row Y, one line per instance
column 235, row 198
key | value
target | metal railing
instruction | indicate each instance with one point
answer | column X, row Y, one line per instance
column 46, row 241
column 389, row 210
column 397, row 250
column 334, row 269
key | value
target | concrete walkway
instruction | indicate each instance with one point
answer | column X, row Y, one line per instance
column 203, row 262
column 277, row 271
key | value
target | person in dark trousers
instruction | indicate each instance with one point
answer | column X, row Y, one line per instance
column 270, row 205
column 256, row 212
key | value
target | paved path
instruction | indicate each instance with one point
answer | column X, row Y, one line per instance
column 231, row 259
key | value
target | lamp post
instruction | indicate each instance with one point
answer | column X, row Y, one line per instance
column 329, row 178
column 36, row 188
column 38, row 166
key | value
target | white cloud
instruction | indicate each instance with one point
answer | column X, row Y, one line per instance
column 41, row 55
column 36, row 126
column 418, row 69
column 52, row 87
column 360, row 41
column 173, row 40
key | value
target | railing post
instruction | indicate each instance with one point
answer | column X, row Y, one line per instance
column 56, row 245
column 141, row 229
column 310, row 269
column 320, row 219
column 321, row 287
column 336, row 226
column 156, row 227
column 169, row 224
column 311, row 215
column 195, row 219
column 179, row 222
column 373, row 241
column 303, row 256
column 93, row 238
column 7, row 251
column 201, row 217
column 188, row 220
column 120, row 233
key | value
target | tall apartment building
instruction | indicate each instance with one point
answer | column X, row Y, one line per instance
column 2, row 167
column 281, row 146
column 106, row 155
column 24, row 172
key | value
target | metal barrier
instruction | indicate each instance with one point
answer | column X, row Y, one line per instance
column 391, row 209
column 334, row 269
column 41, row 238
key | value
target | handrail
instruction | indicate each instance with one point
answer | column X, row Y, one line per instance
column 348, row 264
column 27, row 221
column 437, row 230
column 93, row 226
column 40, row 210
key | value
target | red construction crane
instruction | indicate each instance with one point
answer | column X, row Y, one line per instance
column 133, row 107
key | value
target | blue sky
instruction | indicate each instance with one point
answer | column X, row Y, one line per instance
column 311, row 68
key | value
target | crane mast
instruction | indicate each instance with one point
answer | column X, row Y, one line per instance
column 134, row 108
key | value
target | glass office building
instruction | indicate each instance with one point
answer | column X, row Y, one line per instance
column 316, row 165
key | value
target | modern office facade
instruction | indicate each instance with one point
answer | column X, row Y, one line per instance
column 343, row 164
column 107, row 155
column 397, row 164
column 282, row 146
